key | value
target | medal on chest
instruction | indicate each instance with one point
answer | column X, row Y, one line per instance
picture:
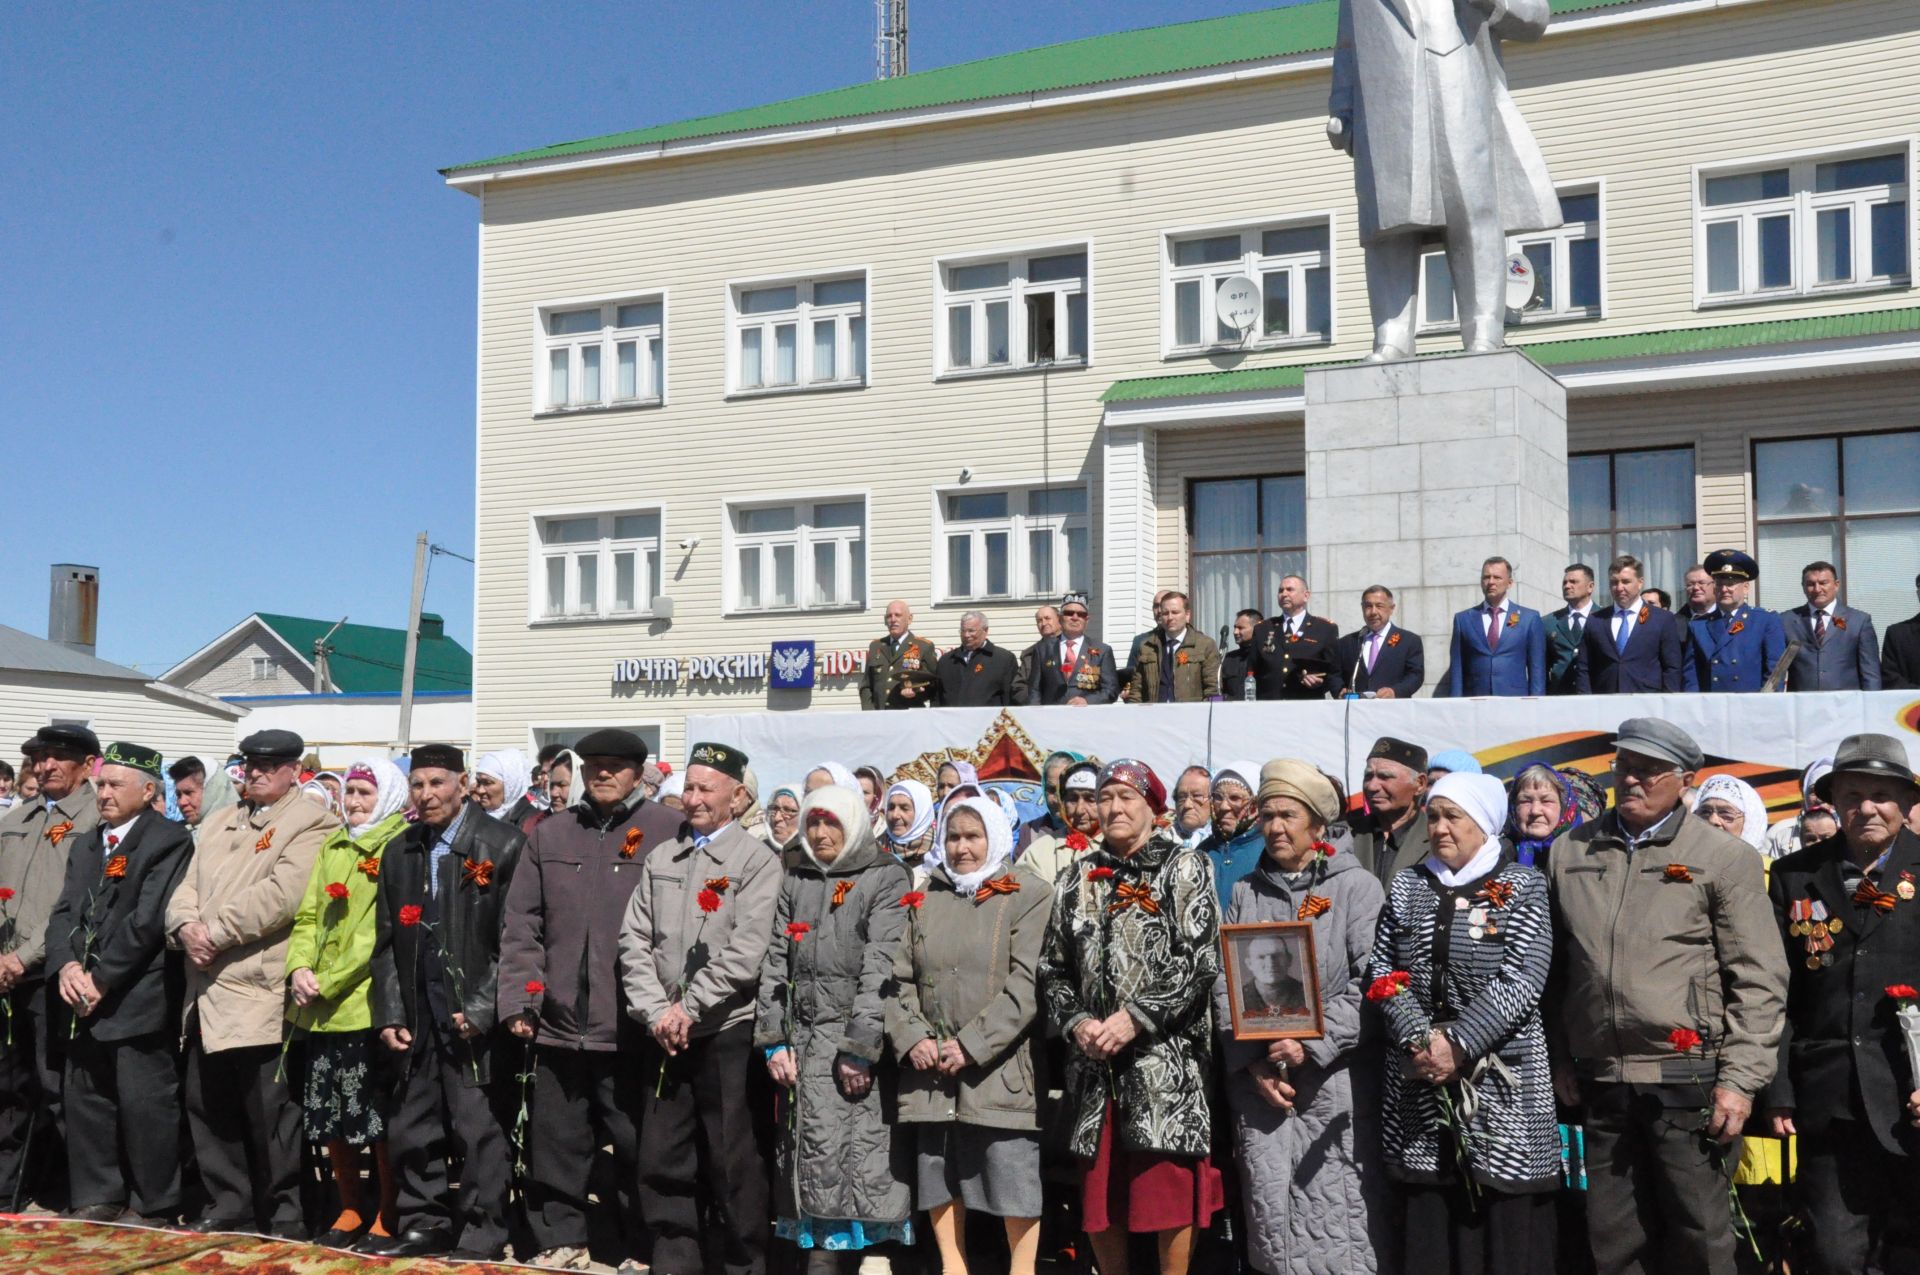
column 1810, row 923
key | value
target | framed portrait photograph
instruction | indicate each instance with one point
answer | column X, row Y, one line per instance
column 1273, row 982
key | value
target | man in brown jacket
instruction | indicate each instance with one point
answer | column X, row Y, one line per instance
column 1177, row 664
column 560, row 991
column 233, row 914
column 36, row 838
column 1663, row 925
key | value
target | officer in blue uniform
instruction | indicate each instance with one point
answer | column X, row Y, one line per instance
column 1734, row 646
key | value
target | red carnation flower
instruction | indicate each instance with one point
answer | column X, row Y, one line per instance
column 709, row 900
column 797, row 930
column 6, row 892
column 1100, row 874
column 913, row 898
column 1077, row 841
column 1388, row 986
column 536, row 988
column 410, row 915
column 337, row 890
column 1322, row 849
column 1684, row 1039
column 1899, row 991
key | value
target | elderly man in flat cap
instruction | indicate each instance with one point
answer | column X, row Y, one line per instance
column 36, row 836
column 435, row 970
column 1734, row 647
column 1662, row 925
column 233, row 914
column 557, row 953
column 106, row 946
column 691, row 950
column 1849, row 919
column 1392, row 834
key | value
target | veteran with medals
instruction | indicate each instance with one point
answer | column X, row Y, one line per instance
column 900, row 666
column 1074, row 669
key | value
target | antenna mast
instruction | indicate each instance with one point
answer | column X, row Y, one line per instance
column 890, row 46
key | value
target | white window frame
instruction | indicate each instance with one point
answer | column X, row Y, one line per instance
column 1017, row 524
column 650, row 563
column 265, row 668
column 607, row 341
column 803, row 317
column 1802, row 204
column 1558, row 238
column 652, row 730
column 804, row 538
column 1014, row 294
column 1254, row 264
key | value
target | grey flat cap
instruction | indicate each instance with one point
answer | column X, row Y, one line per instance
column 1865, row 755
column 1652, row 737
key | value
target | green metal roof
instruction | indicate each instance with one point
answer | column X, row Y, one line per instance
column 367, row 658
column 1591, row 349
column 1102, row 59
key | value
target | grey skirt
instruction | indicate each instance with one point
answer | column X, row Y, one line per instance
column 993, row 1171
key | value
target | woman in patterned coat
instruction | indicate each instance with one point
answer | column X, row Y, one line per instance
column 1462, row 957
column 1132, row 950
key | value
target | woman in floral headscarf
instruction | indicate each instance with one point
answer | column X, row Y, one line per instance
column 1732, row 806
column 1545, row 803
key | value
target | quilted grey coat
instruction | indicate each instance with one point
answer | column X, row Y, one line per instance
column 839, row 1156
column 1313, row 1188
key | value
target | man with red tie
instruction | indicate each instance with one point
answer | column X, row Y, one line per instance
column 1499, row 647
column 1073, row 668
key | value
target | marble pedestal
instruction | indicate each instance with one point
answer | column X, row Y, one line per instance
column 1418, row 471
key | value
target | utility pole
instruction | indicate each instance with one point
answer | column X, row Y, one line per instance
column 322, row 648
column 890, row 45
column 413, row 640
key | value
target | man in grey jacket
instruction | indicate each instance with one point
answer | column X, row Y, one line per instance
column 1670, row 985
column 691, row 948
column 1838, row 649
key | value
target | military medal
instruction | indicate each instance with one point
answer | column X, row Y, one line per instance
column 1477, row 931
column 1905, row 888
column 1798, row 927
column 1460, row 904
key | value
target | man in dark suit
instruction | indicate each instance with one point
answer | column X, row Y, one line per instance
column 1073, row 668
column 1499, row 647
column 1047, row 621
column 1133, row 652
column 1838, row 649
column 899, row 672
column 1565, row 626
column 106, row 945
column 1295, row 655
column 1900, row 654
column 1631, row 646
column 975, row 674
column 1380, row 656
column 1235, row 684
column 1847, row 915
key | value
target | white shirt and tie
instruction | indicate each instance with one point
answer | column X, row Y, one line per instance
column 1496, row 617
column 1577, row 618
column 1821, row 620
column 1624, row 621
column 1375, row 640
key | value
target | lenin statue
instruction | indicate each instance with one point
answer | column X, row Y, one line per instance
column 1420, row 100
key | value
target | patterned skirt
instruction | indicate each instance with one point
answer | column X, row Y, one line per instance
column 348, row 1091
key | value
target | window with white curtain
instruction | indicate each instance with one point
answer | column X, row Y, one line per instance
column 797, row 556
column 1012, row 542
column 1566, row 265
column 803, row 334
column 1244, row 535
column 1853, row 501
column 1013, row 312
column 1800, row 227
column 608, row 354
column 596, row 565
column 1638, row 503
column 1290, row 263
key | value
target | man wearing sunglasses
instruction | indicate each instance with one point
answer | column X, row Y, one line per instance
column 1073, row 668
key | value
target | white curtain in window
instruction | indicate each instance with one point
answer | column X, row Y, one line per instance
column 784, row 365
column 1653, row 489
column 1784, row 550
column 1880, row 568
column 1665, row 555
column 1225, row 515
column 1222, row 585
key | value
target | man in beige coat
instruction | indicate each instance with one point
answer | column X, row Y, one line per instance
column 233, row 914
column 36, row 836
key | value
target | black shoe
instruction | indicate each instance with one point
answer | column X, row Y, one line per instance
column 98, row 1213
column 159, row 1221
column 337, row 1238
column 219, row 1226
column 407, row 1244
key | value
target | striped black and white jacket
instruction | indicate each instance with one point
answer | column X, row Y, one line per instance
column 1478, row 955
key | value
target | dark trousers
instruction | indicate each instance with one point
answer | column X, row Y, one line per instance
column 1444, row 1232
column 246, row 1134
column 123, row 1122
column 29, row 1078
column 699, row 1132
column 443, row 1111
column 1656, row 1195
column 1858, row 1197
column 581, row 1102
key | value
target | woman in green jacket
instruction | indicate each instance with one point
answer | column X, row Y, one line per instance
column 344, row 1096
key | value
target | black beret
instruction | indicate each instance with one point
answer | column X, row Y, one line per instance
column 613, row 742
column 135, row 756
column 1731, row 564
column 273, row 745
column 441, row 756
column 728, row 761
column 1387, row 748
column 66, row 737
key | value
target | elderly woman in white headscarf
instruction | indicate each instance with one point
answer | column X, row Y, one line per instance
column 328, row 956
column 908, row 810
column 841, row 1180
column 964, row 1024
column 1732, row 806
column 1459, row 964
column 832, row 772
column 500, row 782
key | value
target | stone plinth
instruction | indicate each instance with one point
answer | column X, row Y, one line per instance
column 1418, row 471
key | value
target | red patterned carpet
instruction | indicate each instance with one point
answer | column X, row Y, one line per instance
column 56, row 1246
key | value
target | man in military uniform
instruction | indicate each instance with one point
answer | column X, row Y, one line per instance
column 1733, row 647
column 1073, row 668
column 36, row 838
column 1295, row 655
column 900, row 666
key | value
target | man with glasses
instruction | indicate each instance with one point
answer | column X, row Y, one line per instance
column 1662, row 926
column 1074, row 669
column 1193, row 805
column 1735, row 646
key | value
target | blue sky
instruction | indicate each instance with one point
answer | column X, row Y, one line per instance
column 236, row 300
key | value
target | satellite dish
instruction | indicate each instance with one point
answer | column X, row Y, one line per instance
column 1237, row 303
column 1522, row 283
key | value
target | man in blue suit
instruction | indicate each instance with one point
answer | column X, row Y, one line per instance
column 1734, row 646
column 1499, row 647
column 1838, row 649
column 1632, row 645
